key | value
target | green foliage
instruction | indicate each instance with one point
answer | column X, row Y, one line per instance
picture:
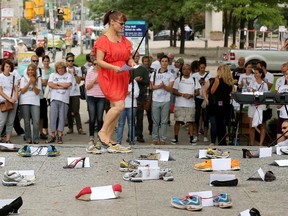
column 80, row 60
column 25, row 26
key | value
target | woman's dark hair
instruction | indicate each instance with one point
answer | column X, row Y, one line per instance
column 39, row 51
column 260, row 71
column 164, row 56
column 247, row 63
column 88, row 59
column 202, row 60
column 113, row 15
column 45, row 57
column 195, row 66
column 7, row 62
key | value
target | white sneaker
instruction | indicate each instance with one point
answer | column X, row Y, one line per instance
column 195, row 139
column 91, row 141
column 205, row 139
column 14, row 178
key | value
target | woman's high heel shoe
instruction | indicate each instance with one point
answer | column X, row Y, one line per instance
column 12, row 207
column 75, row 162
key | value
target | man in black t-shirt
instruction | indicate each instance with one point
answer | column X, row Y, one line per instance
column 239, row 70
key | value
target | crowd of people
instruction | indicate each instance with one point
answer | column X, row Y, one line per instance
column 197, row 99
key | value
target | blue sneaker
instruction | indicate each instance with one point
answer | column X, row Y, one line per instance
column 191, row 203
column 25, row 151
column 53, row 151
column 223, row 200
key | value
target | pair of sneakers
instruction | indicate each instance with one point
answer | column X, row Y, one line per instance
column 136, row 175
column 192, row 142
column 14, row 178
column 206, row 166
column 216, row 153
column 25, row 151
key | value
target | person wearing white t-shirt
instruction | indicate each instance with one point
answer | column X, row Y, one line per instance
column 269, row 77
column 161, row 101
column 246, row 78
column 30, row 87
column 74, row 103
column 281, row 80
column 59, row 84
column 185, row 89
column 255, row 111
column 6, row 89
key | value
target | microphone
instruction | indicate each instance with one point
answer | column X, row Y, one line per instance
column 150, row 24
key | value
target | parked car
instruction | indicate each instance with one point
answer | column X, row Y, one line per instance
column 29, row 42
column 58, row 42
column 9, row 52
column 162, row 35
column 10, row 40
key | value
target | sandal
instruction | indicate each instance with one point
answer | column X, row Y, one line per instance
column 103, row 143
column 51, row 140
column 60, row 141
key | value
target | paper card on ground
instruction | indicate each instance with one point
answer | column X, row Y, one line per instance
column 39, row 150
column 204, row 194
column 203, row 153
column 221, row 164
column 265, row 152
column 278, row 149
column 126, row 67
column 80, row 163
column 4, row 202
column 245, row 213
column 221, row 177
column 281, row 162
column 164, row 155
column 7, row 145
column 150, row 163
column 2, row 159
column 261, row 173
column 149, row 173
column 102, row 193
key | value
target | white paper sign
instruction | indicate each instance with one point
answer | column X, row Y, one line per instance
column 4, row 202
column 7, row 145
column 221, row 177
column 150, row 163
column 2, row 159
column 221, row 164
column 282, row 162
column 80, row 163
column 102, row 193
column 164, row 155
column 203, row 153
column 245, row 213
column 265, row 152
column 204, row 194
column 149, row 173
column 39, row 150
column 261, row 173
column 127, row 67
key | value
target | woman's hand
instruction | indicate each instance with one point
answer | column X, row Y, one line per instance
column 32, row 81
column 117, row 69
column 12, row 100
column 131, row 62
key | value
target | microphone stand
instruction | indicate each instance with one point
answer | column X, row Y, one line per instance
column 132, row 90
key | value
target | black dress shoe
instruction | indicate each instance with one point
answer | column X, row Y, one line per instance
column 12, row 207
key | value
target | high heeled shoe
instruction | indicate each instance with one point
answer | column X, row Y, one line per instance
column 75, row 162
column 12, row 207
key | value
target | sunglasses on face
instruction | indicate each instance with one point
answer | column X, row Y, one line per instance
column 35, row 60
column 120, row 23
column 70, row 60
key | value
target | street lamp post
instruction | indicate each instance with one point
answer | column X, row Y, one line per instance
column 82, row 27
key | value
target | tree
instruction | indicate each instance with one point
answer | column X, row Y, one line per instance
column 25, row 26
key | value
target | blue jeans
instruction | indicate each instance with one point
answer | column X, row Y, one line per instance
column 96, row 111
column 160, row 116
column 126, row 113
column 34, row 112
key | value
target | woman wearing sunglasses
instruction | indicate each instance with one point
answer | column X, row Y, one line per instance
column 113, row 50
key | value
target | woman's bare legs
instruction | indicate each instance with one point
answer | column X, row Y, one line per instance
column 110, row 121
column 251, row 133
column 262, row 128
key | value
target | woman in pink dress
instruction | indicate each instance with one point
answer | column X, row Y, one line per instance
column 113, row 51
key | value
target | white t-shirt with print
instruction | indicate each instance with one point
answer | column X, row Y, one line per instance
column 198, row 77
column 29, row 97
column 128, row 99
column 186, row 86
column 269, row 78
column 41, row 74
column 161, row 95
column 283, row 112
column 60, row 94
column 262, row 87
column 75, row 90
column 246, row 78
column 6, row 83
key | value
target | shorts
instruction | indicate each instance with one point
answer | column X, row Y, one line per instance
column 184, row 114
column 252, row 109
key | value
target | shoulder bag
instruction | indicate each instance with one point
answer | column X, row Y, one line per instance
column 148, row 101
column 7, row 105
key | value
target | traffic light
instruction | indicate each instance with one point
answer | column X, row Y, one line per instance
column 67, row 14
column 39, row 9
column 29, row 10
column 60, row 13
